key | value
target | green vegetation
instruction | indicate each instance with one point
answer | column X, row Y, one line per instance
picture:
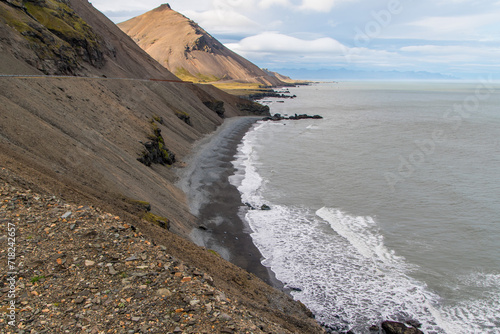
column 242, row 89
column 145, row 208
column 156, row 152
column 157, row 220
column 140, row 205
column 184, row 116
column 157, row 119
column 185, row 75
column 214, row 252
column 54, row 32
column 35, row 279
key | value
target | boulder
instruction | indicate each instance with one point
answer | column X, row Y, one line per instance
column 392, row 327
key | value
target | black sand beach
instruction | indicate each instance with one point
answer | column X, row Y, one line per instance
column 217, row 203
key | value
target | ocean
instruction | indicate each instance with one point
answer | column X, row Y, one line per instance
column 387, row 209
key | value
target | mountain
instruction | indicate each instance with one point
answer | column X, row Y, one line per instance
column 81, row 119
column 190, row 52
column 48, row 37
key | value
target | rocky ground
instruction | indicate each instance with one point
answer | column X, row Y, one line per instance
column 84, row 270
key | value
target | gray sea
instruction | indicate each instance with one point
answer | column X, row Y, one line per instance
column 389, row 208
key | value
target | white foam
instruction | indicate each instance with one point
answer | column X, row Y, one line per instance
column 338, row 283
column 246, row 178
column 346, row 274
column 477, row 315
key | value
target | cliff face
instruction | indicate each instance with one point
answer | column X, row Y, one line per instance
column 190, row 52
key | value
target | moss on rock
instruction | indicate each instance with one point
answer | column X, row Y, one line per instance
column 156, row 152
column 56, row 34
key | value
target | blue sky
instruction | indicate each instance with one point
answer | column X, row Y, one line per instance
column 454, row 37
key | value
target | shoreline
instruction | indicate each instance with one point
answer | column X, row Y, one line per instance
column 217, row 203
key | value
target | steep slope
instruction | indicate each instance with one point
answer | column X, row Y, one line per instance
column 190, row 52
column 49, row 37
column 96, row 126
column 80, row 137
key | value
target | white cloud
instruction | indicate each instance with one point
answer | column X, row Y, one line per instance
column 272, row 42
column 305, row 35
column 265, row 4
column 320, row 5
column 453, row 27
column 224, row 21
column 283, row 50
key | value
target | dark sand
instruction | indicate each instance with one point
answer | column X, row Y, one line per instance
column 217, row 203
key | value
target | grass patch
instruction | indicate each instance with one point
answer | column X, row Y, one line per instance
column 157, row 220
column 185, row 75
column 214, row 252
column 183, row 116
column 35, row 279
column 242, row 89
column 140, row 205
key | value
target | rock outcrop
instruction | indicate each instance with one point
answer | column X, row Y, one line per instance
column 392, row 327
column 279, row 117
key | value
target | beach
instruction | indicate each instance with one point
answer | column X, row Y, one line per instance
column 217, row 203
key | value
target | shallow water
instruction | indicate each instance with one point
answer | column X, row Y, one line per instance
column 386, row 209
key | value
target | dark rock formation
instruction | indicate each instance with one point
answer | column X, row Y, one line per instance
column 250, row 206
column 184, row 116
column 272, row 93
column 265, row 207
column 217, row 106
column 392, row 327
column 254, row 108
column 156, row 152
column 279, row 117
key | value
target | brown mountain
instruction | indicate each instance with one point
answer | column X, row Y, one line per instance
column 79, row 134
column 189, row 51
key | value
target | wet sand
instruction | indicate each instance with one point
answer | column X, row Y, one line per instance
column 217, row 203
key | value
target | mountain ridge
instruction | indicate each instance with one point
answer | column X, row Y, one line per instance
column 189, row 51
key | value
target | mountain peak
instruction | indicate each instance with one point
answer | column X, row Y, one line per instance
column 163, row 7
column 190, row 52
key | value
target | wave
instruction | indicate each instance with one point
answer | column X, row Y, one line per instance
column 338, row 265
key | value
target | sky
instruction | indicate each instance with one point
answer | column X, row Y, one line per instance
column 460, row 38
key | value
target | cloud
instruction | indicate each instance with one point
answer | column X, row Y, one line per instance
column 265, row 4
column 276, row 50
column 272, row 42
column 439, row 35
column 224, row 21
column 451, row 27
column 324, row 6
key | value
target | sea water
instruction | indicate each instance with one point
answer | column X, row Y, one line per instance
column 388, row 208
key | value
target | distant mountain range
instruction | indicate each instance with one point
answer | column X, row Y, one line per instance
column 343, row 73
column 190, row 52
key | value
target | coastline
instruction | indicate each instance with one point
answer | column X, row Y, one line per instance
column 217, row 203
